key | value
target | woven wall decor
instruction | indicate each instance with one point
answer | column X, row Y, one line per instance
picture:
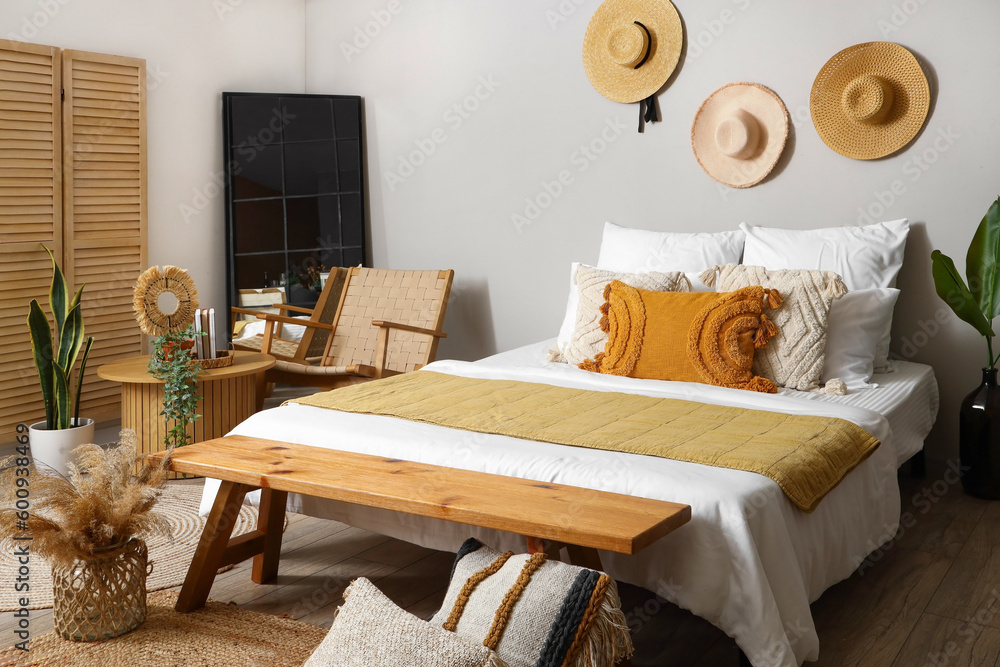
column 145, row 300
column 630, row 50
column 870, row 100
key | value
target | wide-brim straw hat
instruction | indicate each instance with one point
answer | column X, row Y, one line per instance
column 632, row 47
column 739, row 133
column 870, row 100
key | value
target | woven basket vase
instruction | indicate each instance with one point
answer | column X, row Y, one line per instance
column 103, row 596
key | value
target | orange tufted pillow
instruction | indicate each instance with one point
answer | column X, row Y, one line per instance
column 705, row 337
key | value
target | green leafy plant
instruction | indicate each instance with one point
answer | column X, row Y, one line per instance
column 56, row 358
column 978, row 302
column 174, row 365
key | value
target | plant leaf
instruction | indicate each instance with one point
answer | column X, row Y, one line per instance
column 949, row 286
column 982, row 264
column 61, row 396
column 58, row 297
column 41, row 347
column 79, row 378
column 71, row 339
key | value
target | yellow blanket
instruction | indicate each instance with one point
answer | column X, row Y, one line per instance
column 806, row 455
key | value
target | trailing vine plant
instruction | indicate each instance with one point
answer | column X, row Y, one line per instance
column 179, row 372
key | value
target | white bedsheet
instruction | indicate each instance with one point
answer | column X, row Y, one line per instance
column 749, row 561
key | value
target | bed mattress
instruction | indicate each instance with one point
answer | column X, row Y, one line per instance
column 749, row 561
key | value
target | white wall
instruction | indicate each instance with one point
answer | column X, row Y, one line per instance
column 194, row 50
column 455, row 209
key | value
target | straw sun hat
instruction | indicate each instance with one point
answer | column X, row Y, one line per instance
column 870, row 100
column 739, row 133
column 631, row 48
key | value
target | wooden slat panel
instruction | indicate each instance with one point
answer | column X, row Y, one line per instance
column 30, row 214
column 105, row 206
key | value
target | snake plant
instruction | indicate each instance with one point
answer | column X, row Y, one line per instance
column 978, row 302
column 56, row 358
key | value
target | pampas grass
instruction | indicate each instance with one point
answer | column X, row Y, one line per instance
column 101, row 503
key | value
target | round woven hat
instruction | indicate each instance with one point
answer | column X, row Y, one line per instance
column 739, row 133
column 870, row 100
column 631, row 48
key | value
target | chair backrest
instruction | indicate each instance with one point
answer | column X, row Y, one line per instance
column 260, row 300
column 414, row 298
column 314, row 340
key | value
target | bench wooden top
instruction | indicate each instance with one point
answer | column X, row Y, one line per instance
column 568, row 514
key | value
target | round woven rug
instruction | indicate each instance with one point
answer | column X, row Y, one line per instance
column 170, row 557
column 220, row 635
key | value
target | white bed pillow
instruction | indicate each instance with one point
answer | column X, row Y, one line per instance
column 858, row 323
column 639, row 250
column 865, row 257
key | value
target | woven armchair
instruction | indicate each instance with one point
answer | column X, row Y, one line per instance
column 387, row 322
column 313, row 339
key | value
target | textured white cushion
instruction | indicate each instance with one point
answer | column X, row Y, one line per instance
column 793, row 358
column 580, row 336
column 371, row 631
column 639, row 250
column 858, row 322
column 865, row 257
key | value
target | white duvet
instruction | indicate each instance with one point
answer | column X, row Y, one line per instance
column 749, row 561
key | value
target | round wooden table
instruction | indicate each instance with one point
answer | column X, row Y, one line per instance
column 229, row 395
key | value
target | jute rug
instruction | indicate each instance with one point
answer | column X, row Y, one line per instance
column 170, row 558
column 221, row 634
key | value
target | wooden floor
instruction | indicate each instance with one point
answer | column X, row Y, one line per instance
column 931, row 598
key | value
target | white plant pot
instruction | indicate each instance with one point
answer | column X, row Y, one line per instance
column 55, row 447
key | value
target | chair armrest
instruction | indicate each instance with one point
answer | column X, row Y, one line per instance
column 291, row 320
column 382, row 324
column 297, row 309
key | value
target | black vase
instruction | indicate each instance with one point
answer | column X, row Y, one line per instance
column 979, row 439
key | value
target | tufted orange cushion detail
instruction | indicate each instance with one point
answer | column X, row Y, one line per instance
column 704, row 337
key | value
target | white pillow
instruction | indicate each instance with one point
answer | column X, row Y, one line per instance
column 639, row 250
column 865, row 257
column 858, row 323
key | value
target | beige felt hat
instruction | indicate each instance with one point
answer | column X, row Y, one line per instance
column 631, row 48
column 870, row 100
column 739, row 133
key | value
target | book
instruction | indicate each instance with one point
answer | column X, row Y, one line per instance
column 211, row 333
column 199, row 348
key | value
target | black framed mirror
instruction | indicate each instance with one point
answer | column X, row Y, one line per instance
column 294, row 189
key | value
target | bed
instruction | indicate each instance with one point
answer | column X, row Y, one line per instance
column 749, row 562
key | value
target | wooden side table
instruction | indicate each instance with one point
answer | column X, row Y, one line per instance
column 229, row 395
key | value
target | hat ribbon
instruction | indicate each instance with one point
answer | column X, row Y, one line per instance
column 649, row 103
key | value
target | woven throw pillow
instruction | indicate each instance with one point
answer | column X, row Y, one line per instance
column 556, row 615
column 588, row 338
column 697, row 337
column 371, row 631
column 794, row 358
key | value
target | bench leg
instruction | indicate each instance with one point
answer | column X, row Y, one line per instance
column 208, row 557
column 270, row 521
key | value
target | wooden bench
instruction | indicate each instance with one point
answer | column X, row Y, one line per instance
column 549, row 515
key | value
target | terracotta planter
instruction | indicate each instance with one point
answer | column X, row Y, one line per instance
column 168, row 349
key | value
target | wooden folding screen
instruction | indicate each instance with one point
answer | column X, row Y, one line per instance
column 104, row 207
column 30, row 214
column 72, row 177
